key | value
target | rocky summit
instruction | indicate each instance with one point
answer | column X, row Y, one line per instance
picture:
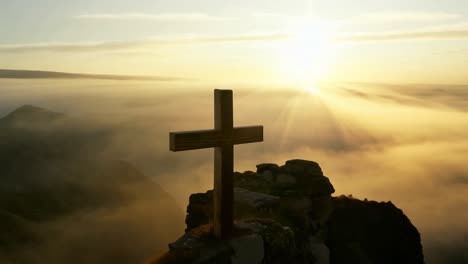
column 286, row 214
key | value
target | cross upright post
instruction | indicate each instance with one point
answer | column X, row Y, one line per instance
column 223, row 138
column 223, row 194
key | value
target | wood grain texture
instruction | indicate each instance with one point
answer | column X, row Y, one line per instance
column 223, row 192
column 247, row 134
column 223, row 112
column 189, row 140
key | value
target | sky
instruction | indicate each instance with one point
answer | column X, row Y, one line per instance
column 282, row 43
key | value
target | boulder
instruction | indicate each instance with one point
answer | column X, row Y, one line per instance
column 267, row 167
column 255, row 200
column 248, row 249
column 285, row 179
column 250, row 243
column 199, row 209
column 268, row 176
column 309, row 178
column 319, row 186
column 299, row 166
column 319, row 251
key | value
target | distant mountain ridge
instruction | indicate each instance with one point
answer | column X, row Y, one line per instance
column 30, row 113
column 53, row 174
column 35, row 74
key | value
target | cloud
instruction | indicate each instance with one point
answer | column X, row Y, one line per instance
column 453, row 252
column 454, row 97
column 166, row 17
column 70, row 47
column 245, row 38
column 454, row 51
column 275, row 16
column 135, row 44
column 375, row 17
column 28, row 74
column 457, row 31
column 405, row 16
column 380, row 148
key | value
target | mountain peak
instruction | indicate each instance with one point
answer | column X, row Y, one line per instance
column 27, row 108
column 31, row 113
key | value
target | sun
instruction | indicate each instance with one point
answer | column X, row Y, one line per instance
column 313, row 90
column 306, row 56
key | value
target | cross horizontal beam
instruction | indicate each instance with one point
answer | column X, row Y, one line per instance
column 189, row 140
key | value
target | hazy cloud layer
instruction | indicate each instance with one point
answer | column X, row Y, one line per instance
column 456, row 31
column 405, row 16
column 169, row 17
column 367, row 18
column 434, row 96
column 405, row 143
column 388, row 16
column 137, row 44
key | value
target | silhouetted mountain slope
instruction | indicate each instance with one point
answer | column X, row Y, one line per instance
column 53, row 170
column 28, row 113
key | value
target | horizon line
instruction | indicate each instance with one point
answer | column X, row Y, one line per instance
column 40, row 74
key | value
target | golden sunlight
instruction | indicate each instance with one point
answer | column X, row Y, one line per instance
column 306, row 57
column 313, row 90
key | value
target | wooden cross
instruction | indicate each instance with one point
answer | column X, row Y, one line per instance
column 223, row 138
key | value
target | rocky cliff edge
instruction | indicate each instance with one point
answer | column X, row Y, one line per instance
column 286, row 214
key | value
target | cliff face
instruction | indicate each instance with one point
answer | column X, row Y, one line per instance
column 371, row 232
column 286, row 214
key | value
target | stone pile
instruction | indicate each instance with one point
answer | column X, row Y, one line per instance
column 284, row 206
column 286, row 214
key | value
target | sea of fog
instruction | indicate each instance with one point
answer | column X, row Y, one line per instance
column 403, row 143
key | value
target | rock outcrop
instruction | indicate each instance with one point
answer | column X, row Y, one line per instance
column 371, row 232
column 286, row 214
